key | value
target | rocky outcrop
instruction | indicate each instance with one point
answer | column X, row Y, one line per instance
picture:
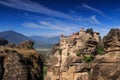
column 67, row 60
column 107, row 67
column 111, row 42
column 26, row 44
column 20, row 63
column 3, row 42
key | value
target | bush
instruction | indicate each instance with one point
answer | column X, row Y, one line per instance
column 100, row 50
column 88, row 59
column 78, row 54
column 90, row 31
column 45, row 68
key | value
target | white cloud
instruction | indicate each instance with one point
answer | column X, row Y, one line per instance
column 94, row 19
column 95, row 10
column 58, row 27
column 90, row 20
column 28, row 5
column 31, row 6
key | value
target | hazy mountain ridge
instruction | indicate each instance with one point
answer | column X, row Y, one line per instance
column 44, row 39
column 40, row 41
column 13, row 37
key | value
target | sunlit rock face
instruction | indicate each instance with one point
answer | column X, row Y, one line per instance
column 107, row 67
column 65, row 63
column 112, row 40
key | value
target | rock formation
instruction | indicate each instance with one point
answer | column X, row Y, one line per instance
column 22, row 63
column 112, row 40
column 107, row 67
column 26, row 45
column 70, row 57
column 67, row 60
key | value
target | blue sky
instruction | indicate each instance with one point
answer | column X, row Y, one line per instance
column 55, row 17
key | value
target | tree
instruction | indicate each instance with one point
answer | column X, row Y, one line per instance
column 90, row 30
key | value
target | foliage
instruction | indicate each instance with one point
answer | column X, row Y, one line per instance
column 90, row 30
column 45, row 68
column 88, row 59
column 100, row 50
column 89, row 71
column 78, row 54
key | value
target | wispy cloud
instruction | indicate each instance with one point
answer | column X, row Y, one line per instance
column 31, row 6
column 90, row 20
column 59, row 27
column 95, row 20
column 95, row 10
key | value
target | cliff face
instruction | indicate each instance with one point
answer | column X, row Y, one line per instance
column 107, row 67
column 67, row 60
column 112, row 40
column 20, row 62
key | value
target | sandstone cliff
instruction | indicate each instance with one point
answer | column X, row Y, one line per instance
column 20, row 62
column 67, row 60
column 107, row 67
column 77, row 57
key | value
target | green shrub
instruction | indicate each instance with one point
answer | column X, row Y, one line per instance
column 90, row 31
column 88, row 59
column 100, row 50
column 45, row 68
column 78, row 54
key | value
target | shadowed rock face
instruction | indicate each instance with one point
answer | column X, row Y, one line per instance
column 3, row 42
column 20, row 63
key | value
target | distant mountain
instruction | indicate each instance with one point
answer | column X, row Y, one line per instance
column 44, row 39
column 40, row 41
column 46, row 42
column 13, row 37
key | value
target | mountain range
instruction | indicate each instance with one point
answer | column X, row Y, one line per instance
column 40, row 41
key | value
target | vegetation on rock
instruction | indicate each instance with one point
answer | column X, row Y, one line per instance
column 88, row 58
column 90, row 30
column 100, row 50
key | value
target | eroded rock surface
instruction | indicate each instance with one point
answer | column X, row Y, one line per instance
column 67, row 61
column 20, row 63
column 107, row 67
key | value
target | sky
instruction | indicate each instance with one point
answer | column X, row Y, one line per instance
column 55, row 17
